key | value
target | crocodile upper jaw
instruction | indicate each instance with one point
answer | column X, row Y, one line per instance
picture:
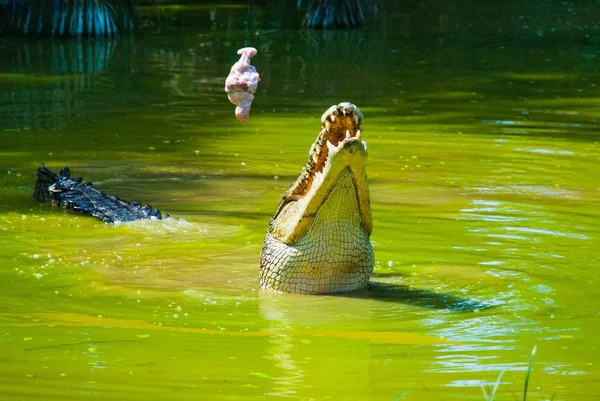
column 337, row 148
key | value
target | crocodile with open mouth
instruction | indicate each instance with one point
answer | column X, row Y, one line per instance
column 318, row 240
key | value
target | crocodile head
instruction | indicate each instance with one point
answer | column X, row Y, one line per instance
column 318, row 240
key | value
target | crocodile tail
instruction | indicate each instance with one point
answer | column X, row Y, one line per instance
column 72, row 194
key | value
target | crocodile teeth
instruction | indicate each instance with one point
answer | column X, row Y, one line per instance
column 332, row 117
column 348, row 134
column 355, row 119
column 358, row 134
column 327, row 125
column 330, row 146
column 318, row 177
column 364, row 144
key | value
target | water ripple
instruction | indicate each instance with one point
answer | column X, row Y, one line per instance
column 546, row 151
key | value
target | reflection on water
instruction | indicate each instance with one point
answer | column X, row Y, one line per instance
column 45, row 82
column 294, row 355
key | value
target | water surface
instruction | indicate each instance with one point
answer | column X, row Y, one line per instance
column 482, row 131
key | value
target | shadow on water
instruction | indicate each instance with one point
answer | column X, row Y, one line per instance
column 396, row 293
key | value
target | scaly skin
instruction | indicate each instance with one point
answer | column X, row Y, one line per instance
column 318, row 240
column 72, row 194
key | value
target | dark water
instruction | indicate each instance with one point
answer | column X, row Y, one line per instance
column 482, row 125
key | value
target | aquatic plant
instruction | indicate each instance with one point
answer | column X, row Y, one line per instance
column 528, row 373
column 97, row 18
column 336, row 13
column 492, row 395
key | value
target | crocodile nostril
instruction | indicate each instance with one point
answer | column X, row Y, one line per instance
column 346, row 107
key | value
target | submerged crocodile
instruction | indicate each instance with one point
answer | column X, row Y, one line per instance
column 318, row 240
column 72, row 194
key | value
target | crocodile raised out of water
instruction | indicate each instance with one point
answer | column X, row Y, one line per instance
column 318, row 240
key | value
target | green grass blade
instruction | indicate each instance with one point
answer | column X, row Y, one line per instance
column 401, row 396
column 529, row 373
column 485, row 394
column 496, row 385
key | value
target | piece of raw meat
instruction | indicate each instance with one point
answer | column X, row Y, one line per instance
column 241, row 83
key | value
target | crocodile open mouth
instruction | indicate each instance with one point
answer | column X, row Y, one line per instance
column 341, row 128
column 337, row 151
column 341, row 125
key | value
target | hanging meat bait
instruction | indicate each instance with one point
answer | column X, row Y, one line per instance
column 242, row 82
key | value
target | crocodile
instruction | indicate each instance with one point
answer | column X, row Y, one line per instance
column 75, row 195
column 318, row 240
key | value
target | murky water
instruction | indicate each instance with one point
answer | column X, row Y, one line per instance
column 484, row 161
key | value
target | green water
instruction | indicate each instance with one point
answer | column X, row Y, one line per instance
column 482, row 130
